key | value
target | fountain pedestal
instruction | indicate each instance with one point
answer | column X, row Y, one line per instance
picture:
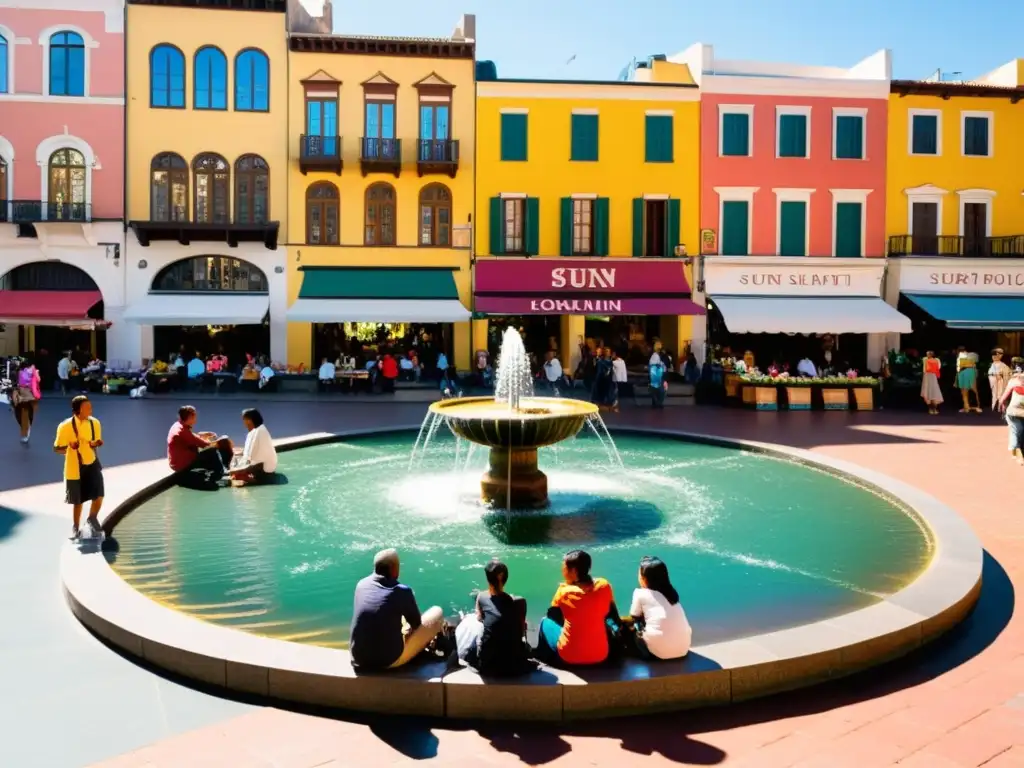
column 513, row 479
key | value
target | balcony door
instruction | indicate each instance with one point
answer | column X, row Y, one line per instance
column 654, row 227
column 924, row 229
column 322, row 126
column 380, row 130
column 435, row 132
column 975, row 228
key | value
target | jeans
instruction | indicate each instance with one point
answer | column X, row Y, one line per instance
column 1016, row 425
column 208, row 466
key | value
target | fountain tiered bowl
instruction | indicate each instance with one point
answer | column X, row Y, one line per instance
column 513, row 436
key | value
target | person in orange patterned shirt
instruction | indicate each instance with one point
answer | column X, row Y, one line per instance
column 931, row 393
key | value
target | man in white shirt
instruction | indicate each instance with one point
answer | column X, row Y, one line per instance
column 64, row 372
column 258, row 461
column 806, row 368
column 326, row 375
column 553, row 371
column 619, row 374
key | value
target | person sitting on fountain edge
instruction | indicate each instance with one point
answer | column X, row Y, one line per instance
column 198, row 459
column 381, row 604
column 491, row 639
column 258, row 461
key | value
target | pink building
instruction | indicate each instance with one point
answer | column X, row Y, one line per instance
column 61, row 173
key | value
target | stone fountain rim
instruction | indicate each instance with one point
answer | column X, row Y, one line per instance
column 238, row 662
column 584, row 410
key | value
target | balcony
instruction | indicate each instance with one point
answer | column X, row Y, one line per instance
column 36, row 211
column 437, row 156
column 320, row 153
column 954, row 245
column 380, row 156
column 187, row 232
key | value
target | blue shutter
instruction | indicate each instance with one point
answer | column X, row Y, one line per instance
column 849, row 137
column 792, row 136
column 497, row 226
column 584, row 138
column 638, row 226
column 735, row 134
column 848, row 218
column 793, row 228
column 514, row 129
column 565, row 232
column 735, row 232
column 658, row 139
column 925, row 134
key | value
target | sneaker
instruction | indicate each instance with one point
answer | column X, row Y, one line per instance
column 24, row 440
column 76, row 534
column 94, row 526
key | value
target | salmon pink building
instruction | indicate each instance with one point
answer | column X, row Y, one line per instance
column 61, row 175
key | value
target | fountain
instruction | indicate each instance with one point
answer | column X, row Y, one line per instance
column 514, row 424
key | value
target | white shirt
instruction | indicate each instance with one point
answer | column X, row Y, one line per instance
column 806, row 368
column 63, row 368
column 259, row 449
column 667, row 632
column 619, row 373
column 655, row 360
column 553, row 369
column 327, row 371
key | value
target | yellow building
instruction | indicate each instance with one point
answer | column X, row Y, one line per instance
column 380, row 169
column 206, row 185
column 604, row 173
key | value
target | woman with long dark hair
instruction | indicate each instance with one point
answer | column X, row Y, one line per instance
column 662, row 629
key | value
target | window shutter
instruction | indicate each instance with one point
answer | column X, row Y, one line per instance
column 671, row 226
column 532, row 243
column 497, row 226
column 514, row 129
column 735, row 135
column 849, row 137
column 565, row 238
column 584, row 138
column 602, row 216
column 792, row 228
column 734, row 232
column 658, row 139
column 925, row 134
column 638, row 226
column 848, row 217
column 792, row 136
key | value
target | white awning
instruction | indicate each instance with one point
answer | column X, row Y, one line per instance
column 788, row 314
column 196, row 309
column 377, row 311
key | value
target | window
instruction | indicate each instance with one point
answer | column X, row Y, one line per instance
column 849, row 229
column 322, row 214
column 211, row 79
column 658, row 138
column 379, row 141
column 515, row 225
column 210, row 205
column 435, row 132
column 735, row 225
column 584, row 135
column 4, row 51
column 848, row 136
column 67, row 64
column 252, row 190
column 252, row 81
column 791, row 132
column 792, row 228
column 67, row 185
column 322, row 126
column 514, row 211
column 583, row 227
column 976, row 129
column 514, row 133
column 436, row 215
column 925, row 132
column 734, row 130
column 166, row 77
column 168, row 188
column 379, row 224
column 211, row 273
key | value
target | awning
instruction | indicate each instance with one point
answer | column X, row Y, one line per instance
column 788, row 314
column 994, row 313
column 61, row 308
column 378, row 295
column 199, row 309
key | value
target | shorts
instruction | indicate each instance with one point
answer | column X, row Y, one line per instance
column 88, row 487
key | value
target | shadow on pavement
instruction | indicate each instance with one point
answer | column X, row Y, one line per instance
column 9, row 520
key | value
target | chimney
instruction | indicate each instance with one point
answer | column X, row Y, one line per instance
column 465, row 30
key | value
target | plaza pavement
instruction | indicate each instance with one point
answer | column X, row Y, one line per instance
column 70, row 701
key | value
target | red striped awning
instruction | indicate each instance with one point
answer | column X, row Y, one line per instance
column 65, row 308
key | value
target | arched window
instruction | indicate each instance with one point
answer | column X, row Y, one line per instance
column 252, row 190
column 211, row 273
column 4, row 50
column 210, row 181
column 67, row 64
column 66, row 185
column 168, row 188
column 379, row 225
column 252, row 81
column 166, row 77
column 436, row 215
column 210, row 78
column 322, row 214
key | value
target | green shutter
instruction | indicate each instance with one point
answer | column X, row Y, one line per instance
column 497, row 226
column 638, row 226
column 658, row 139
column 532, row 243
column 849, row 137
column 976, row 136
column 514, row 129
column 602, row 215
column 792, row 136
column 733, row 237
column 848, row 218
column 793, row 228
column 925, row 134
column 565, row 238
column 672, row 227
column 735, row 134
column 584, row 138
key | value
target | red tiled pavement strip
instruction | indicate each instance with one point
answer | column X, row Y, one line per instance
column 972, row 714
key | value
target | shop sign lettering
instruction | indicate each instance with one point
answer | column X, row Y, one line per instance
column 981, row 279
column 583, row 277
column 575, row 306
column 802, row 279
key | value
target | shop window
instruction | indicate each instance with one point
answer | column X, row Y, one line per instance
column 220, row 274
column 67, row 64
column 322, row 212
column 210, row 180
column 514, row 135
column 66, row 193
column 211, row 79
column 252, row 190
column 436, row 215
column 166, row 77
column 791, row 132
column 252, row 81
column 655, row 227
column 658, row 138
column 584, row 138
column 515, row 225
column 379, row 224
column 168, row 188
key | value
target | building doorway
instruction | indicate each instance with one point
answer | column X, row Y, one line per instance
column 654, row 227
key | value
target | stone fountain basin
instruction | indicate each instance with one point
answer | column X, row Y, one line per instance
column 538, row 421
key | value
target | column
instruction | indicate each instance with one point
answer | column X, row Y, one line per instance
column 299, row 347
column 573, row 328
column 124, row 339
column 478, row 338
column 278, row 286
column 462, row 346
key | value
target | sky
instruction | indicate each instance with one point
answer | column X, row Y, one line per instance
column 536, row 38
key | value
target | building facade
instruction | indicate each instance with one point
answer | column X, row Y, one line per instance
column 61, row 176
column 381, row 147
column 599, row 183
column 207, row 178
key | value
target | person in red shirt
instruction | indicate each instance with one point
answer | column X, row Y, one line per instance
column 389, row 372
column 198, row 459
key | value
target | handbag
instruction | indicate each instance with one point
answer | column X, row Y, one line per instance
column 23, row 395
column 92, row 425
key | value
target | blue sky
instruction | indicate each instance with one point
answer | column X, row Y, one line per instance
column 535, row 38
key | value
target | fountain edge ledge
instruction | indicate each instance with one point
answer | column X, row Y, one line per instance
column 718, row 673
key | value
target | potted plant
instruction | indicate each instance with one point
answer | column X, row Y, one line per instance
column 761, row 391
column 798, row 393
column 863, row 388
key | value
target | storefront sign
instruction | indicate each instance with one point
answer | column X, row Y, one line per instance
column 792, row 276
column 708, row 242
column 960, row 276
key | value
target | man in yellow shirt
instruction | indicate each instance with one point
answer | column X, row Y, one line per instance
column 77, row 439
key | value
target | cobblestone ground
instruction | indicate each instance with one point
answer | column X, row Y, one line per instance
column 71, row 701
